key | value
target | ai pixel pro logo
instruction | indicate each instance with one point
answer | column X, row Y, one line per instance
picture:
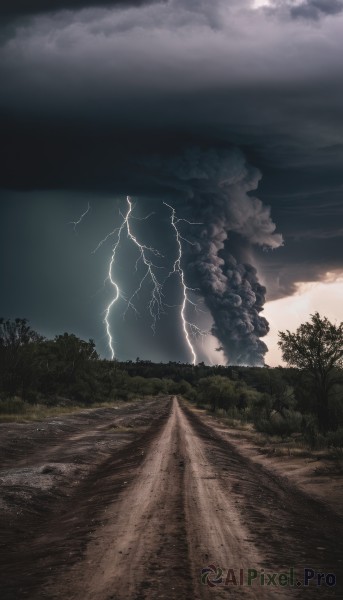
column 214, row 576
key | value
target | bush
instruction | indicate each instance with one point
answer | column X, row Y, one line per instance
column 335, row 438
column 336, row 407
column 260, row 409
column 312, row 436
column 218, row 391
column 284, row 424
column 232, row 414
column 183, row 388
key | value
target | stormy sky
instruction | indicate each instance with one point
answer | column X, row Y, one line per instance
column 230, row 111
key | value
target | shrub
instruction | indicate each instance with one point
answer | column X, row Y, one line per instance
column 335, row 438
column 284, row 424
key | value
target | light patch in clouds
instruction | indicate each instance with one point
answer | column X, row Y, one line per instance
column 325, row 297
column 259, row 3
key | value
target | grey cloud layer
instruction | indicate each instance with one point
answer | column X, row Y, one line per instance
column 309, row 9
column 22, row 8
column 219, row 68
column 87, row 94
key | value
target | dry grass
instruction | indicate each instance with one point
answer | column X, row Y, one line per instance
column 37, row 412
column 236, row 424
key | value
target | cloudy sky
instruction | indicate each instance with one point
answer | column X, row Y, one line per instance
column 229, row 111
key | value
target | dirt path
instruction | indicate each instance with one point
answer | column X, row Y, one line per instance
column 144, row 539
column 176, row 500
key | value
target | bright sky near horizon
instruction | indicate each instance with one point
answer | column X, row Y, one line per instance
column 288, row 313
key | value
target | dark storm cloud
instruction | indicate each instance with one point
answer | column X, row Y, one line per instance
column 88, row 96
column 215, row 72
column 312, row 10
column 312, row 229
column 315, row 9
column 306, row 259
column 85, row 93
column 19, row 8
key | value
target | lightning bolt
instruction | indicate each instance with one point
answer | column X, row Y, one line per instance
column 187, row 326
column 156, row 302
column 76, row 223
column 111, row 280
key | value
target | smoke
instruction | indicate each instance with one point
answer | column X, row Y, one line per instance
column 216, row 186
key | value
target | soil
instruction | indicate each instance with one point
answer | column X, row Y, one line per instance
column 138, row 501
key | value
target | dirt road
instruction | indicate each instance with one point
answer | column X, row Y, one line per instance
column 165, row 504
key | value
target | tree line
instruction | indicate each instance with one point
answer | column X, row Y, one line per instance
column 305, row 396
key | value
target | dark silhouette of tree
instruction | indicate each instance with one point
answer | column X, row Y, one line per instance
column 68, row 366
column 317, row 349
column 18, row 353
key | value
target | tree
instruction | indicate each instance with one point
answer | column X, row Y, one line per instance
column 68, row 364
column 218, row 391
column 317, row 349
column 18, row 353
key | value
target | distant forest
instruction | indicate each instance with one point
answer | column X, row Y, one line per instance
column 68, row 370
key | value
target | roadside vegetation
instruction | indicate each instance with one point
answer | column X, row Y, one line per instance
column 302, row 403
column 16, row 410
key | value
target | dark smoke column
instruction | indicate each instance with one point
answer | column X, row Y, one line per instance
column 218, row 184
column 235, row 299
